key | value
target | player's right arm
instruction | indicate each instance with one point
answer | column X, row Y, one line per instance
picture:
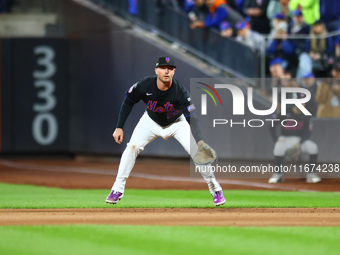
column 132, row 96
column 124, row 113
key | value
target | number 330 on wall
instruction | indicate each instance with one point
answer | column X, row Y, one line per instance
column 47, row 103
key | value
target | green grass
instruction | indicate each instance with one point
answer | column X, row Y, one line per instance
column 92, row 239
column 26, row 196
column 117, row 239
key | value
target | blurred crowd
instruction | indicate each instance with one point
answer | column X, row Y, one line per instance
column 293, row 30
column 300, row 39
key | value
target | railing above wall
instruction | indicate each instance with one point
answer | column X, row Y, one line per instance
column 34, row 6
column 226, row 54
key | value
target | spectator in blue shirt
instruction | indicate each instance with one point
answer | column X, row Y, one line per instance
column 217, row 14
column 330, row 14
column 281, row 45
column 337, row 44
column 219, row 11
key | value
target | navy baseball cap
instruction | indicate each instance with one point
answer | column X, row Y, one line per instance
column 276, row 61
column 307, row 75
column 279, row 16
column 225, row 25
column 297, row 12
column 240, row 25
column 165, row 61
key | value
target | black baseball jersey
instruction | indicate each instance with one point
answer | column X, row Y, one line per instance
column 163, row 107
column 300, row 127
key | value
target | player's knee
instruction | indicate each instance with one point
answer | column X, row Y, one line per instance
column 313, row 148
column 310, row 147
column 279, row 151
column 134, row 149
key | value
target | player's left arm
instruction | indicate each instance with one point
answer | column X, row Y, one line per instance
column 189, row 111
column 205, row 154
column 195, row 127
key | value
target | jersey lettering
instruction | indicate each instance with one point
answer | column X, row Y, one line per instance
column 172, row 114
column 151, row 105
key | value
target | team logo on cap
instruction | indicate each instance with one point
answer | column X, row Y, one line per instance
column 167, row 59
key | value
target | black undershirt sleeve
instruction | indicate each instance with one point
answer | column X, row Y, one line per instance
column 189, row 112
column 195, row 127
column 125, row 110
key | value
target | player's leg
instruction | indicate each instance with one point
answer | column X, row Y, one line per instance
column 144, row 133
column 280, row 148
column 180, row 130
column 311, row 148
column 279, row 153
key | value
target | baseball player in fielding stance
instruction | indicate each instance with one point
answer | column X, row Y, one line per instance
column 169, row 110
column 292, row 141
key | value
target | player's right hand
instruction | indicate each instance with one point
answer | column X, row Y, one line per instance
column 118, row 135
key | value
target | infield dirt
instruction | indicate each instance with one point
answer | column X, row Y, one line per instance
column 73, row 174
column 175, row 217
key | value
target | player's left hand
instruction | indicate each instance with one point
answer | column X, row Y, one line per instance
column 205, row 155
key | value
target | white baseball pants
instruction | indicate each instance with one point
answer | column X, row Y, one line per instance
column 145, row 132
column 286, row 142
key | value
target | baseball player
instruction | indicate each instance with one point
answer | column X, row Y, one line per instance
column 169, row 110
column 292, row 141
